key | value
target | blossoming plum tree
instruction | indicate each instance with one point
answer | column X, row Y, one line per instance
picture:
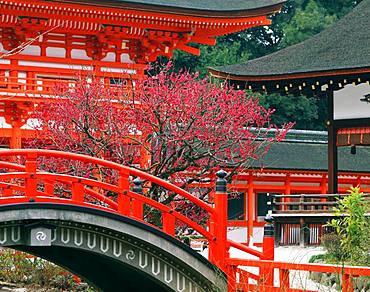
column 172, row 125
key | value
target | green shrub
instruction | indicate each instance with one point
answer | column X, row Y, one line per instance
column 20, row 268
column 317, row 258
column 334, row 250
column 353, row 228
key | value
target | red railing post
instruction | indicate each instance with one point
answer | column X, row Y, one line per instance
column 168, row 222
column 30, row 167
column 220, row 252
column 7, row 192
column 137, row 205
column 269, row 238
column 231, row 278
column 268, row 249
column 284, row 280
column 211, row 228
column 123, row 198
column 49, row 188
column 78, row 191
column 347, row 285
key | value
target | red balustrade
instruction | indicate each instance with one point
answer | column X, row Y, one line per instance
column 27, row 182
column 242, row 280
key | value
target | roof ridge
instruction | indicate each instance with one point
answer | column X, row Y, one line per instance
column 335, row 48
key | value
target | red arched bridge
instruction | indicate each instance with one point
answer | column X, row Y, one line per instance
column 94, row 221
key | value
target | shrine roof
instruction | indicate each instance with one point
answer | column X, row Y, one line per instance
column 343, row 48
column 307, row 151
column 227, row 9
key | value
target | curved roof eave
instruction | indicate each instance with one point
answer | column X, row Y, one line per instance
column 341, row 49
column 214, row 8
column 298, row 75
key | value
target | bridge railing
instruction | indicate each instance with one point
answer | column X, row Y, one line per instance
column 27, row 182
column 278, row 276
column 24, row 180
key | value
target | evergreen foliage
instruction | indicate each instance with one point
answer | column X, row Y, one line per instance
column 298, row 20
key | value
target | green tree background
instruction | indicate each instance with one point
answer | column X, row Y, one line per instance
column 298, row 20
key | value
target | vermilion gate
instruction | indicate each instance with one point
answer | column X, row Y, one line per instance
column 24, row 181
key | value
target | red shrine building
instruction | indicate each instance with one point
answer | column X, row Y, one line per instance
column 44, row 42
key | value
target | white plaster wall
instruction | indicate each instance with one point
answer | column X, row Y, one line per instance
column 54, row 65
column 3, row 124
column 347, row 104
column 31, row 50
column 4, row 61
column 79, row 54
column 258, row 234
column 239, row 234
column 31, row 124
column 110, row 57
column 2, row 50
column 125, row 58
column 56, row 52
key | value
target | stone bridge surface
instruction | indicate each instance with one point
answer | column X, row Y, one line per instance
column 114, row 253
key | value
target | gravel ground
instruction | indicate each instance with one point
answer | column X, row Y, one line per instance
column 292, row 254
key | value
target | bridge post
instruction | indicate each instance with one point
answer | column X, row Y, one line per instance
column 219, row 248
column 137, row 205
column 268, row 247
column 123, row 199
column 31, row 167
column 269, row 238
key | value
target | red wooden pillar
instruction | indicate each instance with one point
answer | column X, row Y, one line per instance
column 358, row 181
column 16, row 138
column 145, row 155
column 250, row 217
column 332, row 147
column 13, row 75
column 220, row 225
column 287, row 191
column 268, row 247
column 323, row 190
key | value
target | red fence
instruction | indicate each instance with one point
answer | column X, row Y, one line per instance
column 276, row 276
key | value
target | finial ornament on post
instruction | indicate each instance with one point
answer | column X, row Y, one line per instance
column 221, row 183
column 138, row 186
column 137, row 206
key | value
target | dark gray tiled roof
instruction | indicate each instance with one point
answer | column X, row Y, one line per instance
column 343, row 46
column 212, row 5
column 308, row 150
